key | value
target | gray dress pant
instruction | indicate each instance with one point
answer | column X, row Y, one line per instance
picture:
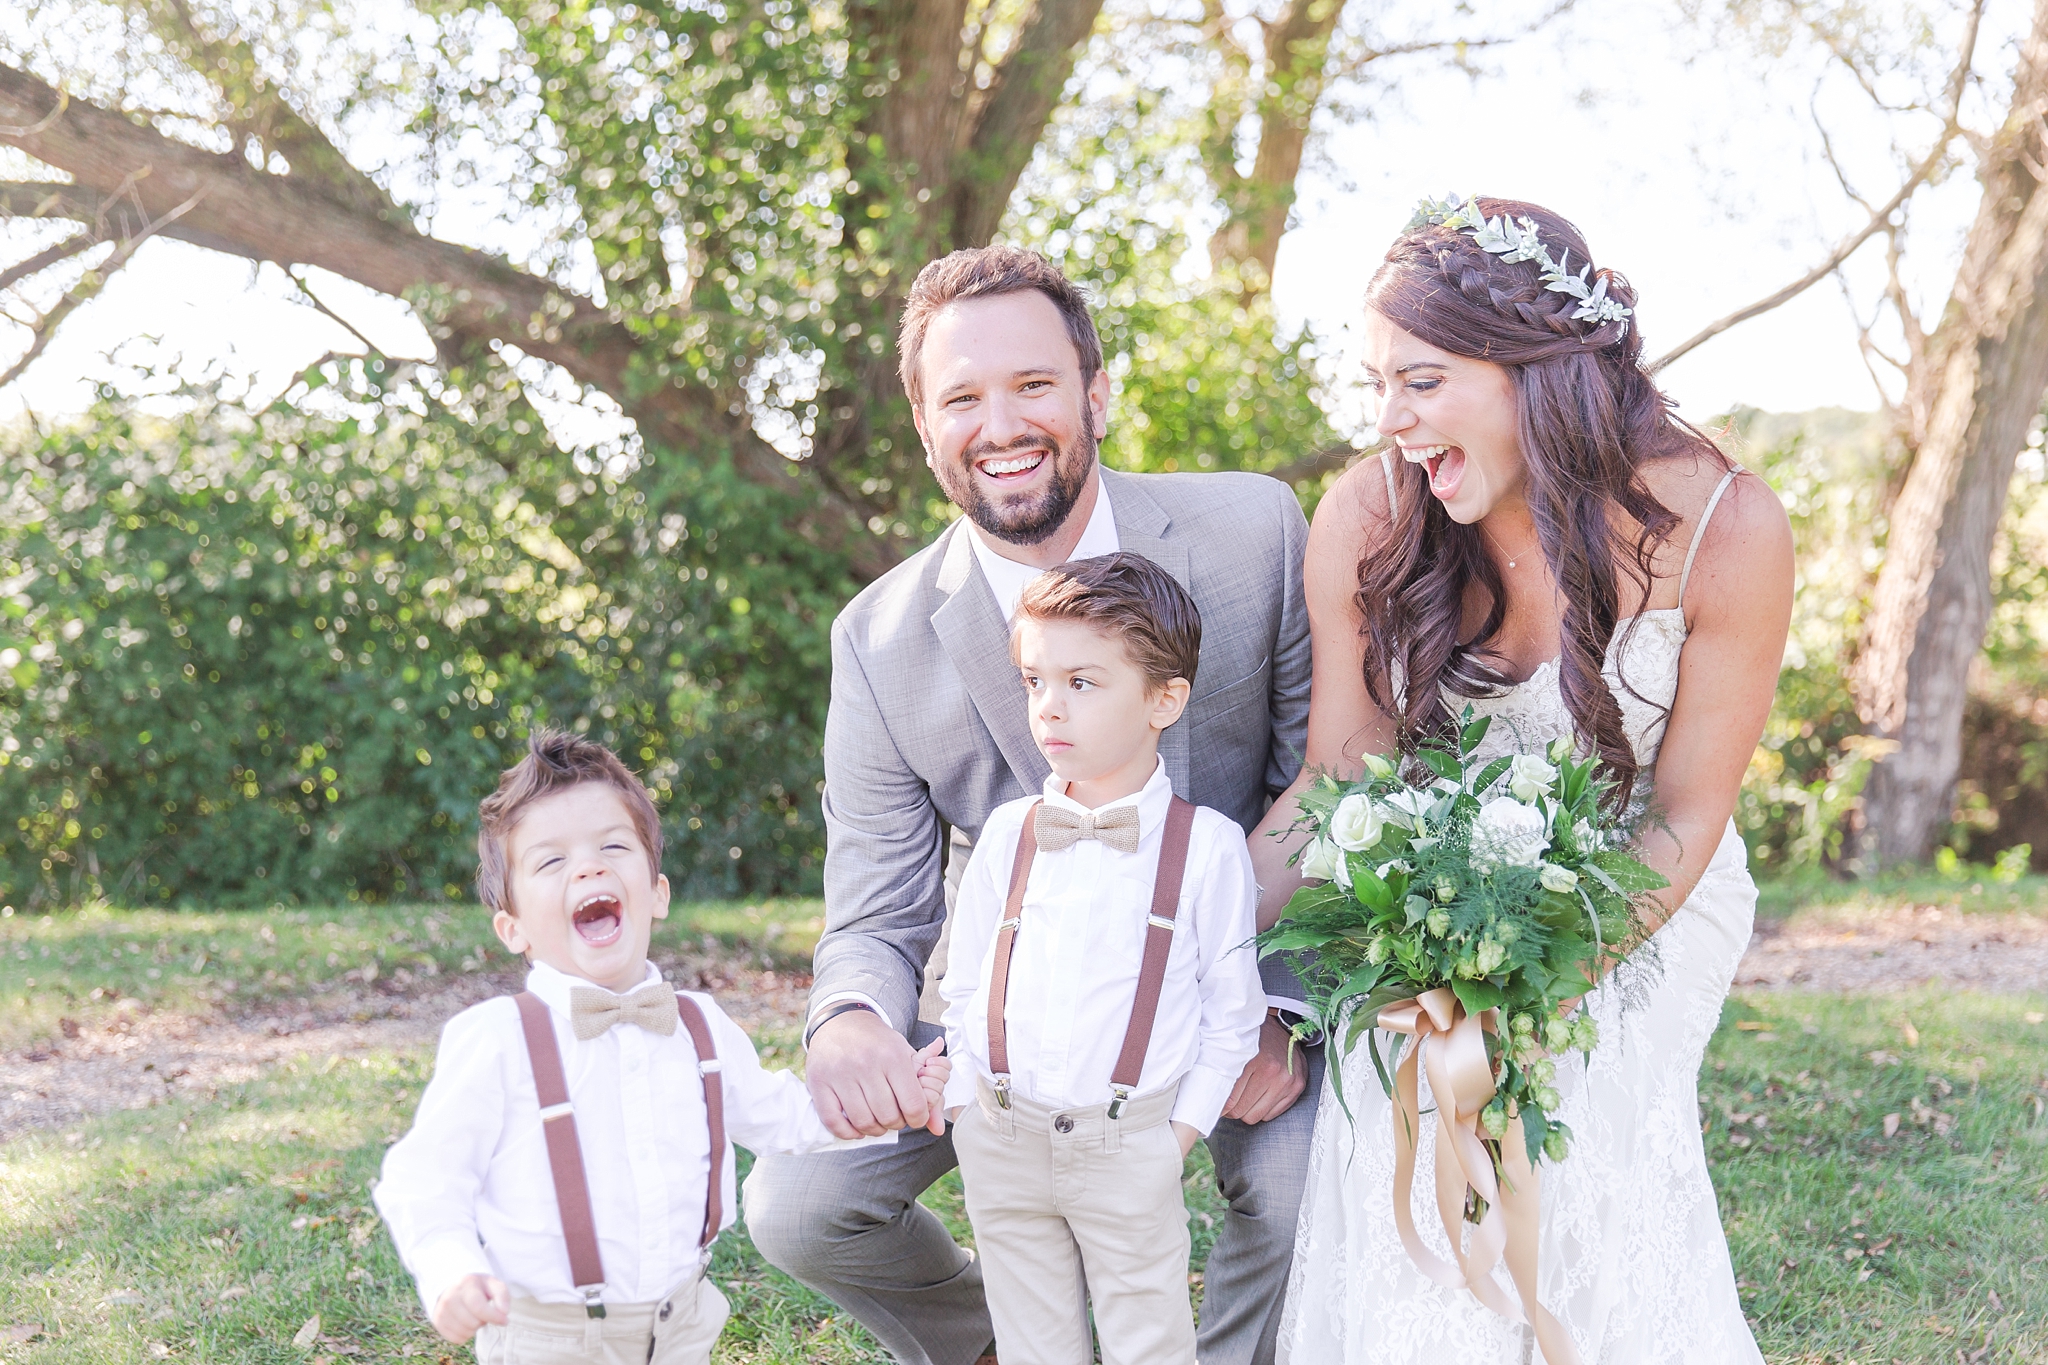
column 848, row 1224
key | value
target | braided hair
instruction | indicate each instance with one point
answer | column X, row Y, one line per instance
column 1588, row 417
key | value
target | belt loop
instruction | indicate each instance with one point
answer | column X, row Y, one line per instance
column 1112, row 1134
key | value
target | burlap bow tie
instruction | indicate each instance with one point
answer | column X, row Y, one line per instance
column 1060, row 828
column 652, row 1007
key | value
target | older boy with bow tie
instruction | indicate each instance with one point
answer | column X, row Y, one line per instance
column 1102, row 994
column 588, row 1114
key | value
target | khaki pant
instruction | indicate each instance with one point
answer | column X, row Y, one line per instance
column 679, row 1330
column 1068, row 1204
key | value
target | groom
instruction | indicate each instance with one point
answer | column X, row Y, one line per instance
column 927, row 733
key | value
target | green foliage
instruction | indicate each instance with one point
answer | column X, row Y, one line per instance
column 1503, row 880
column 282, row 656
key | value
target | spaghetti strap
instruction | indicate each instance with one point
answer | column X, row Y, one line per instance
column 1699, row 532
column 1387, row 468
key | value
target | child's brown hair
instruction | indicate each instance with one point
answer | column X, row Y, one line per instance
column 1129, row 597
column 554, row 761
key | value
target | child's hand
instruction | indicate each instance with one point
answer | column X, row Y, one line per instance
column 1188, row 1136
column 933, row 1070
column 468, row 1304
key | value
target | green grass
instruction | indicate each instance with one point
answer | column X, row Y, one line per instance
column 169, row 1232
column 1971, row 889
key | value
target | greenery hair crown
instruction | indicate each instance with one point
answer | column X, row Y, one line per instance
column 1515, row 239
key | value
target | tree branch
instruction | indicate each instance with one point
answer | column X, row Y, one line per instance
column 463, row 295
column 1880, row 218
column 46, row 258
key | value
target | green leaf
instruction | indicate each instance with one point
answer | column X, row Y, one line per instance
column 1366, row 886
column 1441, row 763
column 1490, row 774
column 1624, row 875
column 1478, row 995
column 1472, row 734
column 1535, row 1127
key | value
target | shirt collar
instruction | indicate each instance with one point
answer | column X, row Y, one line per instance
column 1007, row 579
column 553, row 986
column 1152, row 799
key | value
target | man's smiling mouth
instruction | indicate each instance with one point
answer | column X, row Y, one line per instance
column 1004, row 467
column 598, row 919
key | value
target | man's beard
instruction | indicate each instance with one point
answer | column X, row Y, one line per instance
column 1031, row 521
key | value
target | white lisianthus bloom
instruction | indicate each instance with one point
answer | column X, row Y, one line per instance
column 1507, row 833
column 1555, row 878
column 1560, row 749
column 1589, row 839
column 1356, row 825
column 1319, row 861
column 1408, row 807
column 1376, row 765
column 1529, row 777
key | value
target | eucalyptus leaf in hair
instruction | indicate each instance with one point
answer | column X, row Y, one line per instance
column 1515, row 240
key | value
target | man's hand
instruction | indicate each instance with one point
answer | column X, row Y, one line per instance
column 863, row 1077
column 1188, row 1136
column 468, row 1304
column 1269, row 1087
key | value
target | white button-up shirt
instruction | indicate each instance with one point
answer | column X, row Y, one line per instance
column 1074, row 967
column 468, row 1190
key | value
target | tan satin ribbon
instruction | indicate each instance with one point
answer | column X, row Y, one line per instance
column 1451, row 1045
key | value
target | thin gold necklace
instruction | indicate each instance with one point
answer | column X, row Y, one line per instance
column 1518, row 554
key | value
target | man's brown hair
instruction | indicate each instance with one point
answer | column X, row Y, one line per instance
column 554, row 761
column 1129, row 597
column 984, row 272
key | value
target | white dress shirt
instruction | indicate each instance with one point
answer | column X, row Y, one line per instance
column 468, row 1190
column 1007, row 579
column 1074, row 967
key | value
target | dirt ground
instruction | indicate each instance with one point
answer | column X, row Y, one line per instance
column 141, row 1054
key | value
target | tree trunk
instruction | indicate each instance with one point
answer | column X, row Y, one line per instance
column 1988, row 367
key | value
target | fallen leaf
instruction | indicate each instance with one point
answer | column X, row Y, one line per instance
column 1891, row 1125
column 1751, row 1025
column 1996, row 1306
column 1909, row 1033
column 308, row 1334
column 2034, row 1016
column 234, row 1292
column 124, row 1296
column 22, row 1331
column 159, row 1351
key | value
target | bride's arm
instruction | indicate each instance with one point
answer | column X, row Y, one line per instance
column 1739, row 605
column 1342, row 721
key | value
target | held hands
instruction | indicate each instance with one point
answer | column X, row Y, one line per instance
column 866, row 1080
column 468, row 1304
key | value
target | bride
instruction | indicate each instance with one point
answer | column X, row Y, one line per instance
column 1545, row 541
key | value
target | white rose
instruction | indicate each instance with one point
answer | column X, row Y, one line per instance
column 1318, row 861
column 1530, row 777
column 1356, row 826
column 1555, row 878
column 1408, row 807
column 1507, row 833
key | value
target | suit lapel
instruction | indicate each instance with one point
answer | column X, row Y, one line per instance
column 975, row 637
column 1141, row 525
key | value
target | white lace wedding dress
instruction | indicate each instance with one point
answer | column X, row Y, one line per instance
column 1632, row 1260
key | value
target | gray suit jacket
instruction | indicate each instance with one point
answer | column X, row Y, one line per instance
column 927, row 722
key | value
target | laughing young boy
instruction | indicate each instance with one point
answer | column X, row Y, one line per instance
column 568, row 1169
column 1101, row 996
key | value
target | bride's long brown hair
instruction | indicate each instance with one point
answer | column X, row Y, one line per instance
column 1587, row 417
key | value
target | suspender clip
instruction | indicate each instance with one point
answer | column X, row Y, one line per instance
column 1002, row 1092
column 1119, row 1093
column 593, row 1305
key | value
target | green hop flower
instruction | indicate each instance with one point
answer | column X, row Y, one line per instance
column 1439, row 922
column 1524, row 1025
column 1376, row 951
column 1494, row 1119
column 1548, row 1099
column 1491, row 955
column 1585, row 1033
column 1556, row 1142
column 1544, row 1071
column 1557, row 1034
column 1446, row 890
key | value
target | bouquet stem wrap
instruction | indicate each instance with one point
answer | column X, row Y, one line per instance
column 1451, row 1045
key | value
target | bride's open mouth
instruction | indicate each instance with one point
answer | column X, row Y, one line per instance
column 598, row 919
column 1445, row 465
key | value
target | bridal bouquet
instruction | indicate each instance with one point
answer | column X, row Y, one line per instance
column 1463, row 906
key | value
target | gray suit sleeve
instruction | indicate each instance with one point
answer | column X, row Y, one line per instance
column 1289, row 708
column 885, row 899
column 1291, row 663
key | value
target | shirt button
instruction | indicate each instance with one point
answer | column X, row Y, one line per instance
column 1063, row 1124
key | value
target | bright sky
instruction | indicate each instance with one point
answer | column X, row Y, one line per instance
column 1691, row 167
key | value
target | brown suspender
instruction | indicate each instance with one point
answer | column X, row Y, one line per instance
column 565, row 1153
column 1166, row 884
